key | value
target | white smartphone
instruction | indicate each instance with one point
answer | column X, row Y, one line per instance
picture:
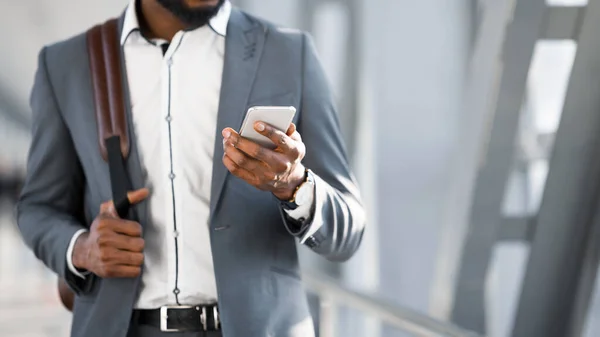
column 280, row 117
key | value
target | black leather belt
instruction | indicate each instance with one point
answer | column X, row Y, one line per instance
column 180, row 318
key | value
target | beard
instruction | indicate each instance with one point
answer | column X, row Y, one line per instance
column 191, row 17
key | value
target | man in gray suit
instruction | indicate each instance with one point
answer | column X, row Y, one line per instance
column 213, row 250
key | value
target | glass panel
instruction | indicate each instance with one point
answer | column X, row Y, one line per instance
column 567, row 2
column 547, row 85
column 540, row 117
column 548, row 82
column 334, row 319
column 503, row 286
column 353, row 322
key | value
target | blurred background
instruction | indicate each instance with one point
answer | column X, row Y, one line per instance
column 473, row 127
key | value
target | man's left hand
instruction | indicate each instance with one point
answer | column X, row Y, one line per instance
column 279, row 171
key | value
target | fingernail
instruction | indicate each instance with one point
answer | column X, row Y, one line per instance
column 226, row 133
column 260, row 127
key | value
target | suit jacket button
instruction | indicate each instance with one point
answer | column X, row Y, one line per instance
column 311, row 242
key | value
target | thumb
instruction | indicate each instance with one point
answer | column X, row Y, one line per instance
column 138, row 196
column 108, row 208
column 290, row 131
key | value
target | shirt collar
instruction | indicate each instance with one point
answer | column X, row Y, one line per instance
column 218, row 23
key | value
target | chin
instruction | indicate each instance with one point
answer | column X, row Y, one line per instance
column 202, row 3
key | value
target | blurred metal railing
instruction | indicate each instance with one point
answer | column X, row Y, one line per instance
column 332, row 295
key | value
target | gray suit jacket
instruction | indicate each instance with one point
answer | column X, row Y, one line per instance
column 256, row 264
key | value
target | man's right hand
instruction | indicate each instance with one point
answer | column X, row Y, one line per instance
column 113, row 247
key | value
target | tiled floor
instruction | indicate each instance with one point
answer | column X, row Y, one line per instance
column 29, row 304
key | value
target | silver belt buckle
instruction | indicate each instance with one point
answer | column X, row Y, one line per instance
column 164, row 315
column 203, row 319
column 216, row 317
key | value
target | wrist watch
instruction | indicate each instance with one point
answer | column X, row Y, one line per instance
column 303, row 192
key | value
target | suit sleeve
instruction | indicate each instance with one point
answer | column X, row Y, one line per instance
column 51, row 202
column 338, row 219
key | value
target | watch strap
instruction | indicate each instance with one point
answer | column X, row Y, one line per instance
column 291, row 204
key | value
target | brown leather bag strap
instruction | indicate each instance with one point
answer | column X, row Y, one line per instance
column 105, row 64
column 105, row 67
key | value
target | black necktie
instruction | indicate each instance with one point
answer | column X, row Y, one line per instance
column 165, row 47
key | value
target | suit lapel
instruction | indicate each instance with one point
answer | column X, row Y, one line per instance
column 243, row 49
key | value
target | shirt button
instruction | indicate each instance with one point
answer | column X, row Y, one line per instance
column 170, row 62
column 168, row 119
column 171, row 175
column 175, row 233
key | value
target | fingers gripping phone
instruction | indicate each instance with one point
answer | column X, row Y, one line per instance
column 280, row 117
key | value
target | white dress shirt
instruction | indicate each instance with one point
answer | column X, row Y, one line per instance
column 175, row 99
